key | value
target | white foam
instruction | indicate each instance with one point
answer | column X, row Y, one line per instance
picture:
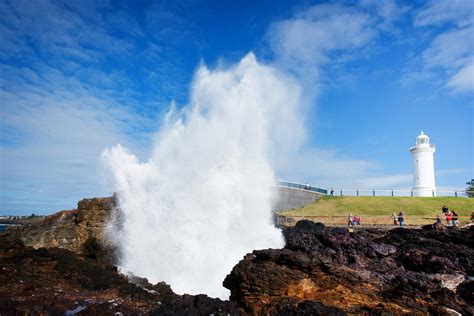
column 203, row 200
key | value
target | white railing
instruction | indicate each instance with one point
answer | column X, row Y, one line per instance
column 294, row 185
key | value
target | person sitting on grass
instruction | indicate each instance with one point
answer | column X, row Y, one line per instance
column 401, row 218
column 356, row 220
column 449, row 219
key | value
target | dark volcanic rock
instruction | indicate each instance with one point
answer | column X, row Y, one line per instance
column 325, row 271
column 67, row 264
column 53, row 281
column 50, row 281
column 195, row 305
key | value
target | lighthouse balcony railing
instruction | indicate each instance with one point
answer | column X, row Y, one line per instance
column 422, row 146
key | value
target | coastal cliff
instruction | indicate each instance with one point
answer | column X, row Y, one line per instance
column 79, row 230
column 65, row 263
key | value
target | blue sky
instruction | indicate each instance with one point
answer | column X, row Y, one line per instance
column 79, row 76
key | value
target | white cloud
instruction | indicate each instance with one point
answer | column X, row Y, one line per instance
column 463, row 80
column 59, row 32
column 313, row 36
column 450, row 53
column 53, row 129
column 436, row 12
column 329, row 168
column 450, row 49
column 307, row 44
column 59, row 110
column 389, row 11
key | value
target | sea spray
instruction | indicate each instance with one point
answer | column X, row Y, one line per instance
column 203, row 200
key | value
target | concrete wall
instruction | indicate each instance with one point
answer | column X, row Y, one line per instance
column 289, row 198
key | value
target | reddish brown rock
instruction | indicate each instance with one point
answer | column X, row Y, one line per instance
column 330, row 271
column 77, row 230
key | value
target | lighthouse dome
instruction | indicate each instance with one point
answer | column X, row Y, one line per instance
column 422, row 139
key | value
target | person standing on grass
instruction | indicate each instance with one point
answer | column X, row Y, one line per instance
column 394, row 217
column 350, row 220
column 401, row 218
column 444, row 209
column 455, row 218
column 332, row 191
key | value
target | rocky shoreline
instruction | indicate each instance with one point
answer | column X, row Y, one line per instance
column 64, row 265
column 331, row 271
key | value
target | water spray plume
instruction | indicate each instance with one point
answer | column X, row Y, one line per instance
column 203, row 200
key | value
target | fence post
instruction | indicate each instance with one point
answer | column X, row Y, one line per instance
column 411, row 193
column 373, row 193
column 341, row 192
column 456, row 193
column 357, row 192
column 432, row 192
column 392, row 192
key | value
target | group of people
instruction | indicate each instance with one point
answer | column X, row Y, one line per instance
column 398, row 220
column 353, row 220
column 450, row 216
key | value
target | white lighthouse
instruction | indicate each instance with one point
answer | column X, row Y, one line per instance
column 423, row 166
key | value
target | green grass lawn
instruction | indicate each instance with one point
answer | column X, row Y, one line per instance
column 383, row 205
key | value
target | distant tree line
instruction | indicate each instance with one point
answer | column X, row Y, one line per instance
column 470, row 189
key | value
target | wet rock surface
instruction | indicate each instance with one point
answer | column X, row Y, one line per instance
column 329, row 271
column 51, row 281
column 57, row 281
